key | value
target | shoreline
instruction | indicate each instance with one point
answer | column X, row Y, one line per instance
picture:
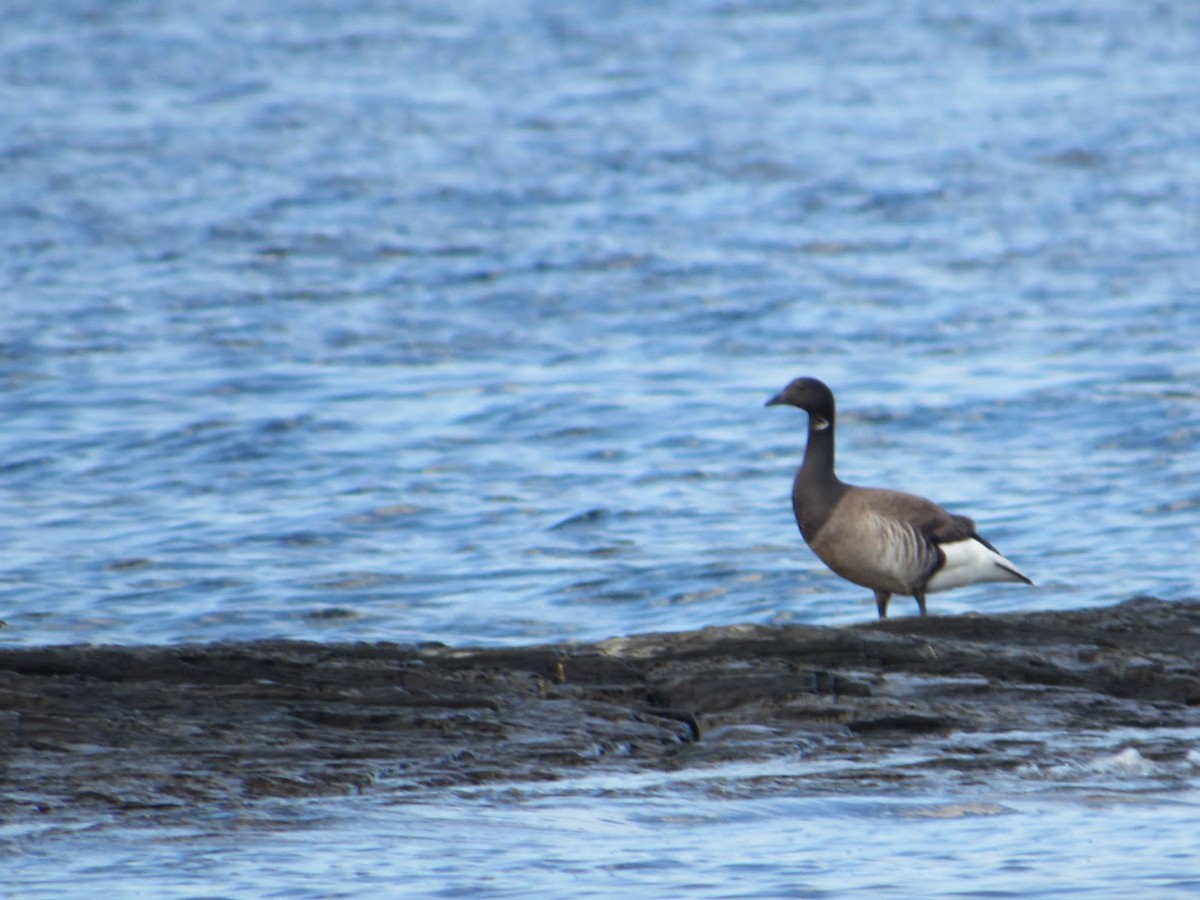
column 157, row 730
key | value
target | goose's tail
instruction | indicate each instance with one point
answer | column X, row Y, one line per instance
column 972, row 561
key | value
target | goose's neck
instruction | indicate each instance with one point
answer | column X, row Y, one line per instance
column 817, row 469
column 816, row 490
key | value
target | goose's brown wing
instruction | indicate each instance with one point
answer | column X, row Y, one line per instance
column 931, row 521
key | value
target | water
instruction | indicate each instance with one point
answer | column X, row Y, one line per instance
column 454, row 322
column 705, row 834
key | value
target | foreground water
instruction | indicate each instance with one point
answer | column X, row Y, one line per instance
column 669, row 840
column 455, row 323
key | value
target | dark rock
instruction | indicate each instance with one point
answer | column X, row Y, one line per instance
column 160, row 729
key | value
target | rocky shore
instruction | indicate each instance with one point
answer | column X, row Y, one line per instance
column 123, row 729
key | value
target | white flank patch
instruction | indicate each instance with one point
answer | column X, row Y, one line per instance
column 970, row 562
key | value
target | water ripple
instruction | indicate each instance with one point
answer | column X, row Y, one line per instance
column 455, row 322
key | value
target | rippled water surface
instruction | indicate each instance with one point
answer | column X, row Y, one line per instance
column 455, row 321
column 716, row 834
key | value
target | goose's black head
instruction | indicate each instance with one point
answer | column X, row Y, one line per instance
column 809, row 394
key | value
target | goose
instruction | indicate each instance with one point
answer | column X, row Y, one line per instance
column 888, row 541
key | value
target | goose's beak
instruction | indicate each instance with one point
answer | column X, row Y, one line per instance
column 776, row 400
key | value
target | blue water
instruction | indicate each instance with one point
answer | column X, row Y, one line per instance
column 454, row 321
column 703, row 834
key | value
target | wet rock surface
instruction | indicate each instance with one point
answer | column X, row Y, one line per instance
column 124, row 729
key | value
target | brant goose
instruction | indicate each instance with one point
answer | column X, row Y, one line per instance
column 890, row 542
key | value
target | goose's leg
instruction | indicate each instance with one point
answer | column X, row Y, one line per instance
column 920, row 595
column 881, row 602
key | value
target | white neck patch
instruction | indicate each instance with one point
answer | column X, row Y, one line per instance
column 819, row 424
